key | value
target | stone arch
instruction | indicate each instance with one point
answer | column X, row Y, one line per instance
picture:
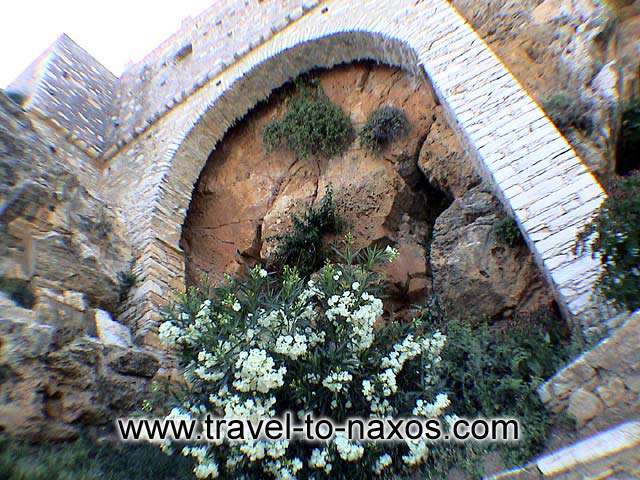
column 518, row 151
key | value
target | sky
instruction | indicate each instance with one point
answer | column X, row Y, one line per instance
column 115, row 32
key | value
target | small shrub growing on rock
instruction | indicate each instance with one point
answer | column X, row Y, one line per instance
column 383, row 127
column 508, row 232
column 303, row 246
column 19, row 291
column 629, row 145
column 614, row 237
column 264, row 346
column 568, row 111
column 312, row 125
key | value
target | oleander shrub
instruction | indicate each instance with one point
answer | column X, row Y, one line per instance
column 303, row 247
column 568, row 111
column 85, row 460
column 613, row 236
column 265, row 345
column 383, row 126
column 629, row 144
column 19, row 291
column 312, row 124
column 507, row 231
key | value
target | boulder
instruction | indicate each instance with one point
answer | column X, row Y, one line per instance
column 444, row 162
column 476, row 274
column 110, row 332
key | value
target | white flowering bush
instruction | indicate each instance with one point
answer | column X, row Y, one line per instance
column 264, row 346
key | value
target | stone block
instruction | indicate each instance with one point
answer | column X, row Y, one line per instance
column 584, row 406
column 111, row 332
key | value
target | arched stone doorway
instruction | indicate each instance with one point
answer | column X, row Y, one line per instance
column 530, row 166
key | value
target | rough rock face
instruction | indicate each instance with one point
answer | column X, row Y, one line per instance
column 48, row 389
column 59, row 364
column 476, row 275
column 246, row 197
column 587, row 48
column 443, row 162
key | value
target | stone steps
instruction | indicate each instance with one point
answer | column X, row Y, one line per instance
column 612, row 454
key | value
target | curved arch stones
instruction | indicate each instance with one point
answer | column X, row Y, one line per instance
column 518, row 151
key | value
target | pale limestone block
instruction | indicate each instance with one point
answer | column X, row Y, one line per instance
column 111, row 332
column 584, row 406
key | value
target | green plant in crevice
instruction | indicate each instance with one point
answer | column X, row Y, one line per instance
column 383, row 126
column 613, row 236
column 508, row 232
column 302, row 247
column 313, row 124
column 568, row 111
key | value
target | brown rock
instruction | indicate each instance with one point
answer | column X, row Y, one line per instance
column 584, row 406
column 133, row 361
column 443, row 160
column 246, row 196
column 476, row 275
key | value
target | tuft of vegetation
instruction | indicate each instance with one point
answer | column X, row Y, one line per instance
column 84, row 460
column 126, row 281
column 495, row 373
column 629, row 145
column 508, row 232
column 614, row 237
column 383, row 126
column 19, row 291
column 303, row 247
column 312, row 125
column 568, row 111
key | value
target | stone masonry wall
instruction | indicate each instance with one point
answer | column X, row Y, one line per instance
column 531, row 167
column 71, row 90
column 602, row 386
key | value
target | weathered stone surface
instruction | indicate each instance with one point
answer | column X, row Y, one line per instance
column 476, row 274
column 66, row 241
column 246, row 196
column 608, row 372
column 584, row 406
column 443, row 160
column 587, row 49
column 133, row 361
column 111, row 332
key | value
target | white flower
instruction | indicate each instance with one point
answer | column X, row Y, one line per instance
column 292, row 347
column 337, row 380
column 355, row 286
column 432, row 410
column 263, row 273
column 418, row 452
column 383, row 462
column 236, row 306
column 348, row 451
column 320, row 459
column 206, row 470
column 392, row 253
column 255, row 372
